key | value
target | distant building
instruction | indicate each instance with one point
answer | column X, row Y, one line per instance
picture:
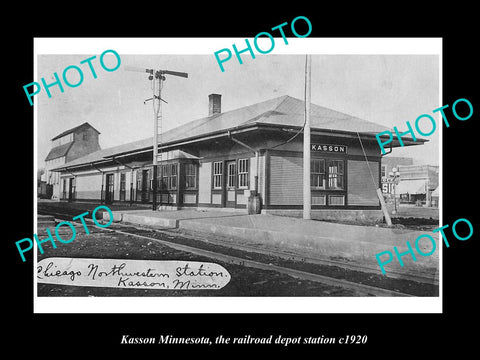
column 389, row 163
column 435, row 195
column 417, row 182
column 66, row 147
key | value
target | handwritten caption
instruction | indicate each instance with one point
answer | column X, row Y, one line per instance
column 133, row 274
column 246, row 340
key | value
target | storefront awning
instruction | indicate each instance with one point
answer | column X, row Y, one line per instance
column 411, row 187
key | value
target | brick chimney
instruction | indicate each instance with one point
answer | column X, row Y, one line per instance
column 214, row 104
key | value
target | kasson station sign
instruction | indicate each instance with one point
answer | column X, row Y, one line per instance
column 329, row 148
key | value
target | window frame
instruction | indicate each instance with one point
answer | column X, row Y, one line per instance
column 190, row 175
column 173, row 177
column 231, row 177
column 64, row 188
column 318, row 174
column 217, row 175
column 338, row 175
column 123, row 186
column 168, row 178
column 243, row 173
column 123, row 181
column 327, row 176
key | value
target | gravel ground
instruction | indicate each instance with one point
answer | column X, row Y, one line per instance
column 401, row 285
column 245, row 281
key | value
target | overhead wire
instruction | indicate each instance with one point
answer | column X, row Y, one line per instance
column 304, row 121
column 366, row 160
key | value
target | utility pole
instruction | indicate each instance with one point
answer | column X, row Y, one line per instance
column 428, row 198
column 156, row 76
column 156, row 112
column 307, row 198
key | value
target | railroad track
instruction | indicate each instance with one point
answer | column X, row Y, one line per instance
column 365, row 290
column 133, row 230
column 297, row 256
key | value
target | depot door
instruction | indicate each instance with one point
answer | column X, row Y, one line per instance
column 71, row 189
column 109, row 189
column 145, row 186
column 231, row 184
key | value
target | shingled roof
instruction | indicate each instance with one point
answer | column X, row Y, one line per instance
column 59, row 151
column 284, row 111
column 69, row 131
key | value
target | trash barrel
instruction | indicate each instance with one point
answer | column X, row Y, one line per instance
column 254, row 204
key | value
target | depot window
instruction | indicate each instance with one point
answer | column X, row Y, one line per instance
column 243, row 173
column 217, row 174
column 231, row 175
column 169, row 177
column 123, row 186
column 317, row 173
column 335, row 174
column 190, row 176
column 327, row 174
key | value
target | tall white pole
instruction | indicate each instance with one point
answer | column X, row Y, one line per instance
column 156, row 110
column 307, row 198
column 155, row 125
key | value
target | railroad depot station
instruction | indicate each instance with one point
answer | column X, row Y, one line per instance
column 220, row 160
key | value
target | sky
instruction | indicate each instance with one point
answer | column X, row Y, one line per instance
column 388, row 89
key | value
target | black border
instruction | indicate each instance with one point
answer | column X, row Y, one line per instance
column 58, row 335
